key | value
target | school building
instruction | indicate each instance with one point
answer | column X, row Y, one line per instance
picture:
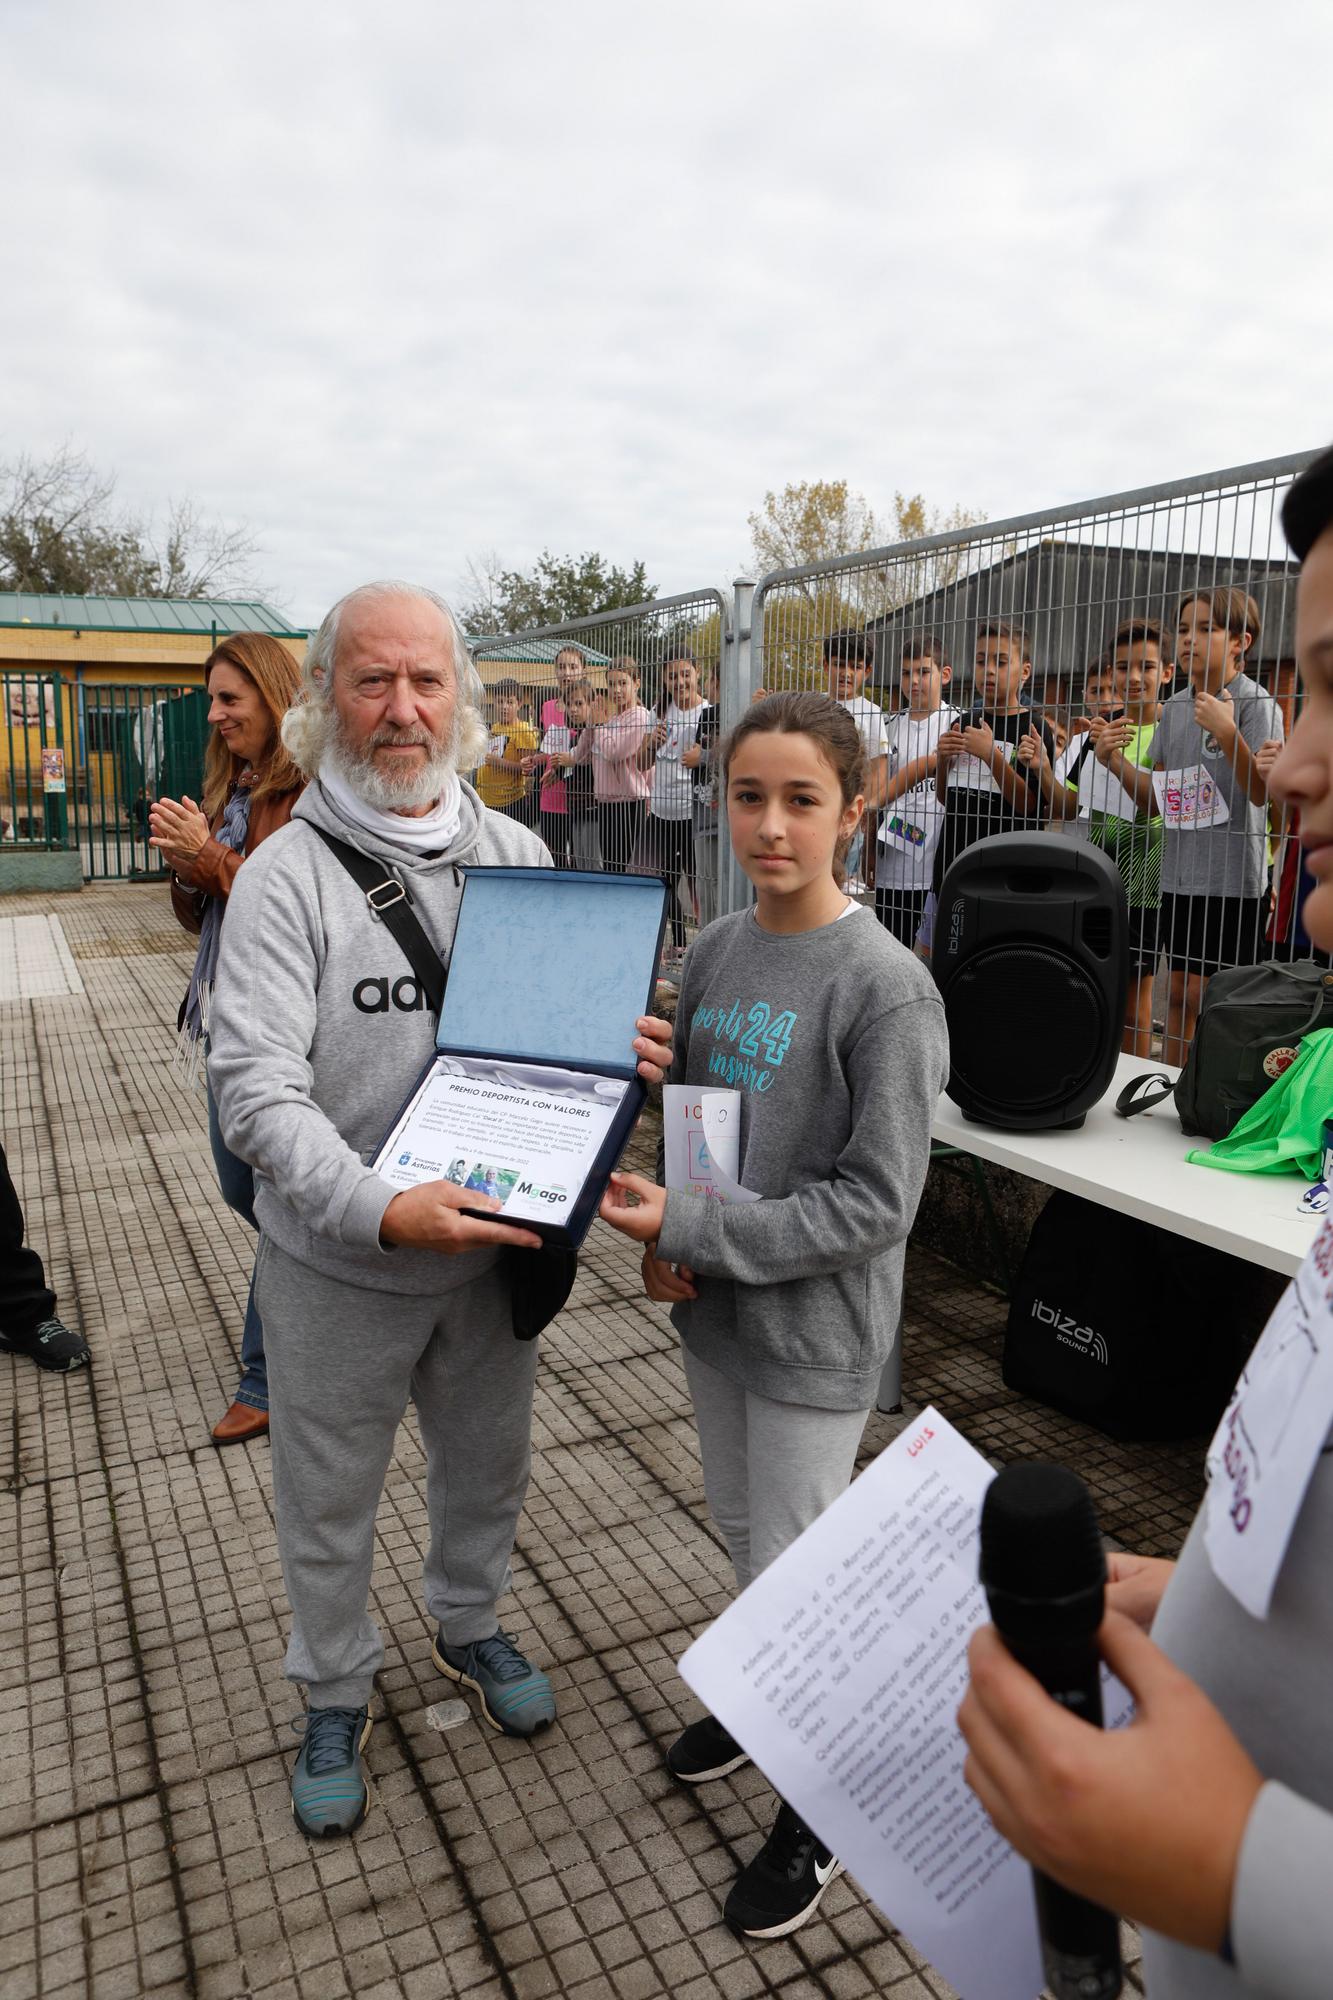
column 102, row 707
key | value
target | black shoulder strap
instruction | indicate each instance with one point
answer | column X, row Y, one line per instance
column 1142, row 1093
column 389, row 901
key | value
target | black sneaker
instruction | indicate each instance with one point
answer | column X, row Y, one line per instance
column 776, row 1892
column 51, row 1344
column 705, row 1750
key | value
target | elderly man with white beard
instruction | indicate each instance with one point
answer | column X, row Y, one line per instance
column 371, row 1297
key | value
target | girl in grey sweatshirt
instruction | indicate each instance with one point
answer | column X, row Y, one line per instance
column 833, row 1037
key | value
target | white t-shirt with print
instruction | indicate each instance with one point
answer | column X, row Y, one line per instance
column 909, row 826
column 872, row 723
column 672, row 795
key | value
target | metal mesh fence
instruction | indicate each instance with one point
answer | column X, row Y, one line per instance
column 1120, row 671
column 80, row 765
column 33, row 728
column 602, row 733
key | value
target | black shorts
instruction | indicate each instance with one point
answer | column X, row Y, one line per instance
column 899, row 910
column 1145, row 939
column 1201, row 934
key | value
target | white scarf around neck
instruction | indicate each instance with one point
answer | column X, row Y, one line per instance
column 430, row 832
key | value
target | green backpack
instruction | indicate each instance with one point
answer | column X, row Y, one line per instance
column 1250, row 1028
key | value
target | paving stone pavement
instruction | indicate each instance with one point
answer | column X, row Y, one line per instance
column 146, row 1845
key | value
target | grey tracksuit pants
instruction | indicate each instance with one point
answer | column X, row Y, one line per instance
column 770, row 1469
column 343, row 1362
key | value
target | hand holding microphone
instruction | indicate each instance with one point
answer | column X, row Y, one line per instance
column 1044, row 1575
column 1146, row 1821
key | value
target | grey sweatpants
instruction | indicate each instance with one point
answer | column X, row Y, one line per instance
column 770, row 1469
column 343, row 1361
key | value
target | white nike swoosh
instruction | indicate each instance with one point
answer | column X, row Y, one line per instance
column 824, row 1875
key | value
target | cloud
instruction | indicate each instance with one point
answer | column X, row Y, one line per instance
column 596, row 277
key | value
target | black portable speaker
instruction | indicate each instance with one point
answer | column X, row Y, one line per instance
column 1031, row 958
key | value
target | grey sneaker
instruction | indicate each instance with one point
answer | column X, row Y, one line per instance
column 51, row 1344
column 330, row 1787
column 516, row 1697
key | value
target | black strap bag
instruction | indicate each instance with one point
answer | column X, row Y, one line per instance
column 1250, row 1028
column 540, row 1281
column 1128, row 1326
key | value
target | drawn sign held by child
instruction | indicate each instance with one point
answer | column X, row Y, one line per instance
column 1189, row 799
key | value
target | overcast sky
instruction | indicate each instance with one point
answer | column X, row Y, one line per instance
column 399, row 285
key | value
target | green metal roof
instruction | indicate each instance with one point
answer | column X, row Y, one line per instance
column 532, row 652
column 201, row 615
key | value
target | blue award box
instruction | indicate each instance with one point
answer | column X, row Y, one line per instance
column 534, row 1089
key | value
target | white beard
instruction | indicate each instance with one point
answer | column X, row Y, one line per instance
column 384, row 790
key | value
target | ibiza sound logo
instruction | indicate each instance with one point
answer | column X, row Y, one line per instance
column 1083, row 1339
column 956, row 920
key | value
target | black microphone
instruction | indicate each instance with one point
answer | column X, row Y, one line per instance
column 1044, row 1574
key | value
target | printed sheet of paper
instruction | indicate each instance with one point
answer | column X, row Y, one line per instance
column 841, row 1669
column 971, row 774
column 1267, row 1445
column 527, row 1135
column 559, row 736
column 701, row 1126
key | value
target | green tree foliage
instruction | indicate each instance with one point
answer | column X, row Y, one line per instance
column 557, row 590
column 61, row 532
column 796, row 621
column 812, row 521
column 820, row 521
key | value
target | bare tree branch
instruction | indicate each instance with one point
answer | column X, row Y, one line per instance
column 60, row 532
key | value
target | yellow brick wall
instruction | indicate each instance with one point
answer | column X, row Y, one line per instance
column 139, row 658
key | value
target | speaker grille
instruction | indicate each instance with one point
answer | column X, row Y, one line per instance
column 1099, row 929
column 1026, row 1028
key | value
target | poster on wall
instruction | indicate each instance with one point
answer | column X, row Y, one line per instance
column 53, row 770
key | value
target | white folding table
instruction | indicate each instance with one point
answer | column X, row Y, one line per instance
column 1138, row 1166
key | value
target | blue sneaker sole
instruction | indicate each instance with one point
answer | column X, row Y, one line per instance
column 467, row 1681
column 336, row 1832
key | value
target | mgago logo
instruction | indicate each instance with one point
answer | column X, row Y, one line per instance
column 1083, row 1339
column 556, row 1197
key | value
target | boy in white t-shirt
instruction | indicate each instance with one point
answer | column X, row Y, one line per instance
column 848, row 658
column 913, row 815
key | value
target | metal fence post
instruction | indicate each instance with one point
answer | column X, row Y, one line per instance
column 734, row 891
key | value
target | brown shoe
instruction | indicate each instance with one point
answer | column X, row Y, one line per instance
column 240, row 1424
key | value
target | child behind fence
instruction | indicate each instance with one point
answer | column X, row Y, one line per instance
column 1206, row 751
column 1103, row 785
column 979, row 780
column 910, row 826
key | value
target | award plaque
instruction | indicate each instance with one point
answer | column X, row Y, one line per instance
column 534, row 1089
